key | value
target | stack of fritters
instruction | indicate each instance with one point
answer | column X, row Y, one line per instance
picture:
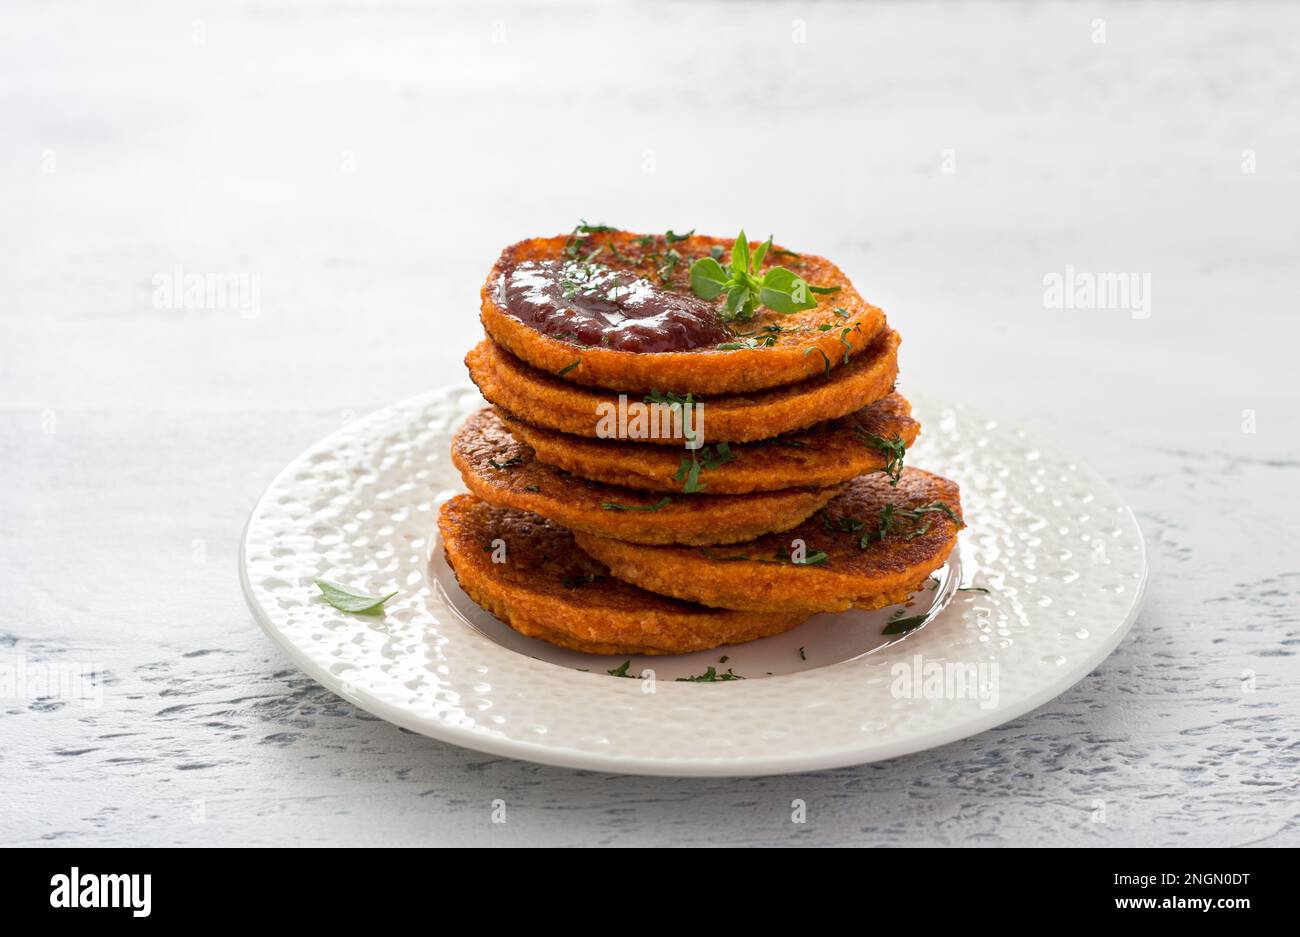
column 608, row 534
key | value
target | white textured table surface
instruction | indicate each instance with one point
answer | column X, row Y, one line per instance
column 366, row 161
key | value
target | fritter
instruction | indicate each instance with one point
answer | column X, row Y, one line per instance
column 869, row 440
column 501, row 470
column 802, row 343
column 549, row 589
column 545, row 400
column 872, row 546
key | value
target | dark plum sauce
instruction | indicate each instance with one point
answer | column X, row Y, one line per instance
column 595, row 305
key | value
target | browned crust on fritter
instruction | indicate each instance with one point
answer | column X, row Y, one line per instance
column 546, row 401
column 826, row 454
column 885, row 572
column 702, row 371
column 524, row 483
column 543, row 590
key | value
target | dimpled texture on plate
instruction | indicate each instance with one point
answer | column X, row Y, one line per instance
column 1061, row 554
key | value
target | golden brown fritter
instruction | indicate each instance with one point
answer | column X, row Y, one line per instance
column 850, row 322
column 920, row 519
column 500, row 469
column 826, row 454
column 549, row 589
column 547, row 401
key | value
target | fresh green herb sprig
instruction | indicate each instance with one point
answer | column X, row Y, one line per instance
column 746, row 284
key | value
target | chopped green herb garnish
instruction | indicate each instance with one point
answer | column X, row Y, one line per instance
column 621, row 671
column 824, row 290
column 825, row 359
column 690, row 471
column 815, row 558
column 568, row 367
column 894, row 520
column 707, row 458
column 711, row 676
column 841, row 312
column 802, row 655
column 842, row 524
column 572, row 247
column 508, row 463
column 672, row 238
column 904, row 625
column 894, row 450
column 848, row 345
column 668, row 262
column 721, row 455
column 671, row 399
column 614, row 506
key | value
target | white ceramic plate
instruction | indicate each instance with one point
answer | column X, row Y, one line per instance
column 1059, row 553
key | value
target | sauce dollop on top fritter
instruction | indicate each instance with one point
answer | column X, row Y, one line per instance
column 598, row 306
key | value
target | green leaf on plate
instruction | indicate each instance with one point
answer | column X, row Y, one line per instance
column 350, row 600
